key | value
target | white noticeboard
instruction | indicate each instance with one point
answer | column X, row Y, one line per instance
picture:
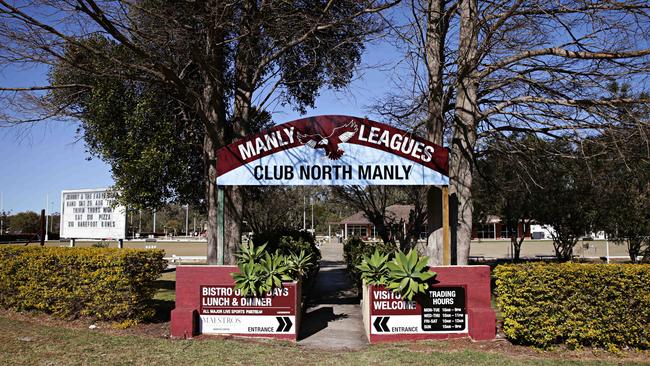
column 91, row 214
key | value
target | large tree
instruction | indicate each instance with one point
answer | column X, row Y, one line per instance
column 27, row 222
column 217, row 59
column 621, row 175
column 562, row 193
column 504, row 186
column 486, row 69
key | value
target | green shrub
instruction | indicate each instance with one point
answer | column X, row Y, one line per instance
column 290, row 243
column 106, row 284
column 374, row 270
column 260, row 272
column 355, row 249
column 407, row 274
column 578, row 305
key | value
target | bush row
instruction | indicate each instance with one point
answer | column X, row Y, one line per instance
column 590, row 305
column 106, row 284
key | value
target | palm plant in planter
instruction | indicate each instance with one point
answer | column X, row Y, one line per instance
column 299, row 264
column 250, row 253
column 249, row 280
column 407, row 274
column 261, row 272
column 274, row 270
column 373, row 269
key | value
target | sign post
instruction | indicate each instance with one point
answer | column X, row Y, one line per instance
column 446, row 234
column 221, row 231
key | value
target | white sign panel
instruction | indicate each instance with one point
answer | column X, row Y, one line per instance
column 408, row 324
column 91, row 214
column 225, row 324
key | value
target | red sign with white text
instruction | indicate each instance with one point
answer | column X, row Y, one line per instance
column 223, row 299
column 332, row 150
column 224, row 311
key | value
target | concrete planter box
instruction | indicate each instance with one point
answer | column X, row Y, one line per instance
column 456, row 305
column 206, row 303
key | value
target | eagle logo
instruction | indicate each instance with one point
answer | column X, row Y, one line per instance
column 330, row 143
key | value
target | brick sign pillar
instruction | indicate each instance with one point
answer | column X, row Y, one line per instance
column 456, row 305
column 207, row 303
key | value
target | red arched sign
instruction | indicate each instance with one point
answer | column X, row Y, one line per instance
column 332, row 150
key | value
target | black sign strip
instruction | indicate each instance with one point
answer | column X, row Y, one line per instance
column 282, row 324
column 384, row 323
column 289, row 323
column 380, row 324
column 377, row 325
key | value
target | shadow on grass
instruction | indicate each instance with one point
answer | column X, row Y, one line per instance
column 165, row 285
column 163, row 310
column 164, row 301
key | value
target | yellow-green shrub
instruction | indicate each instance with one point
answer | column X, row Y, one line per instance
column 107, row 284
column 592, row 305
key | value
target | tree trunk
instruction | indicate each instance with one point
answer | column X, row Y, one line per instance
column 211, row 108
column 435, row 59
column 516, row 248
column 244, row 69
column 234, row 204
column 633, row 248
column 209, row 161
column 563, row 246
column 464, row 131
column 434, row 226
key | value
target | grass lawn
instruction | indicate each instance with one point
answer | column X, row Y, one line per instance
column 25, row 342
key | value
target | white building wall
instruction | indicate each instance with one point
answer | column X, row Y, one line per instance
column 541, row 232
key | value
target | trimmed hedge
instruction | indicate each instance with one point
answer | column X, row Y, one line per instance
column 106, row 284
column 593, row 305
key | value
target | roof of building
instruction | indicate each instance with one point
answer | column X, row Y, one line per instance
column 396, row 212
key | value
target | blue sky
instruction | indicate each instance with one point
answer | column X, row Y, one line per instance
column 46, row 158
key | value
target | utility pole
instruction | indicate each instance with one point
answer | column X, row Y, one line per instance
column 154, row 222
column 304, row 213
column 311, row 200
column 187, row 218
column 140, row 222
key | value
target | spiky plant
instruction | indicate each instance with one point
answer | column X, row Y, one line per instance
column 373, row 269
column 409, row 274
